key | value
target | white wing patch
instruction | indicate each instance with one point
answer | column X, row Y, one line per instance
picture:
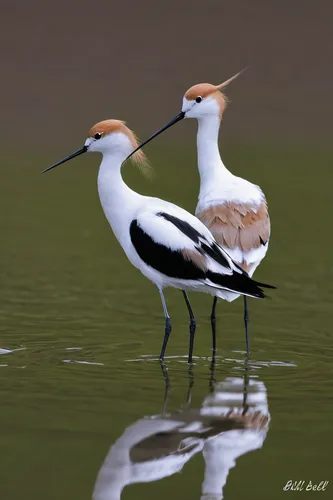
column 164, row 232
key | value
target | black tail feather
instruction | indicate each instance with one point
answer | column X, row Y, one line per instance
column 264, row 285
column 239, row 283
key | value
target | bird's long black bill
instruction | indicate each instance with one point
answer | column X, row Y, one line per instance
column 174, row 120
column 76, row 153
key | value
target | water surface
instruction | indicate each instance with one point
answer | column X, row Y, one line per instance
column 81, row 331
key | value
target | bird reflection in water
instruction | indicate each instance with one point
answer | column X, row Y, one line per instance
column 232, row 421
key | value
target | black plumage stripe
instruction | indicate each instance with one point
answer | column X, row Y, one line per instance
column 211, row 249
column 168, row 262
column 183, row 226
column 216, row 254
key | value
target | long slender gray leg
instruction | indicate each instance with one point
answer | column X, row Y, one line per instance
column 168, row 328
column 213, row 325
column 246, row 323
column 193, row 326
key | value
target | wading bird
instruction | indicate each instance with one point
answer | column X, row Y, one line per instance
column 234, row 209
column 168, row 245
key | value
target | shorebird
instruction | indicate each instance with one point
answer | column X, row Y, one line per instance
column 234, row 209
column 170, row 246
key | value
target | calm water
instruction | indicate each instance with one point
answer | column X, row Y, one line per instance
column 81, row 331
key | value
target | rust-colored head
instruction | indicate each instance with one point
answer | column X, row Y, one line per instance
column 201, row 91
column 102, row 129
column 110, row 136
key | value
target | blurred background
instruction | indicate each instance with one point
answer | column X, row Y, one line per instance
column 66, row 65
column 76, row 318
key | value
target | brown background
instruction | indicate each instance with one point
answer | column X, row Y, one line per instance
column 66, row 65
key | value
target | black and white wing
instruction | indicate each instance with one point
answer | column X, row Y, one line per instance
column 179, row 246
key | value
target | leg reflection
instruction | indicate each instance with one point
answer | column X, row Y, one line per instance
column 212, row 379
column 190, row 387
column 167, row 386
column 246, row 381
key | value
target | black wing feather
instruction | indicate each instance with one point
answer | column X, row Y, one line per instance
column 215, row 253
column 169, row 262
column 237, row 283
column 202, row 244
column 183, row 226
column 173, row 264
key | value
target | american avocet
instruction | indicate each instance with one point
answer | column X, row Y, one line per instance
column 168, row 245
column 234, row 209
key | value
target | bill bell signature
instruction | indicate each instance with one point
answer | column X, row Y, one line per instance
column 305, row 486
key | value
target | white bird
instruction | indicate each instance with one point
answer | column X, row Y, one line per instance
column 234, row 209
column 168, row 245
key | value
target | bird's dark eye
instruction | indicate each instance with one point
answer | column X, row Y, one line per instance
column 97, row 136
column 198, row 99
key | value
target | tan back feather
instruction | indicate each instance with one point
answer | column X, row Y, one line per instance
column 238, row 225
column 109, row 126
